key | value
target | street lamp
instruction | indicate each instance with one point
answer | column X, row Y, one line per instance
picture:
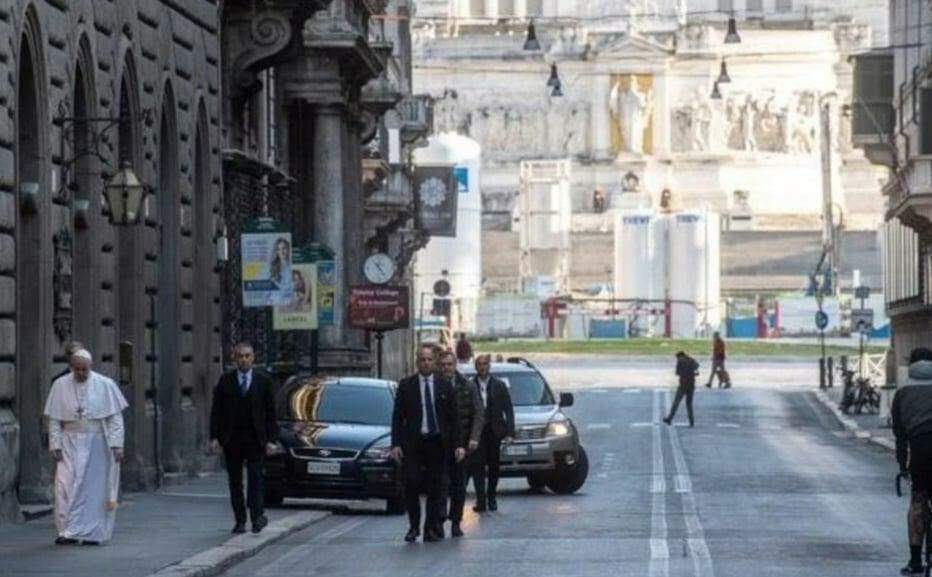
column 125, row 194
column 723, row 77
column 732, row 37
column 531, row 43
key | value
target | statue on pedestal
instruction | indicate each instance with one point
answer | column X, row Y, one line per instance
column 632, row 109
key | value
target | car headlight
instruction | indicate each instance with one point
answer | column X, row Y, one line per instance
column 378, row 453
column 558, row 429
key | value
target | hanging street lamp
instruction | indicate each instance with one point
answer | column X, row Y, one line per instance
column 723, row 77
column 531, row 43
column 125, row 194
column 732, row 37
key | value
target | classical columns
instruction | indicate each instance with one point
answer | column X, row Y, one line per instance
column 329, row 209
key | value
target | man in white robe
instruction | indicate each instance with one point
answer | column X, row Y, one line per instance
column 84, row 409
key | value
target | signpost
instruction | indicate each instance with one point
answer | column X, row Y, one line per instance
column 862, row 320
column 379, row 308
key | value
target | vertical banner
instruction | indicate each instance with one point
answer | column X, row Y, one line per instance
column 461, row 174
column 266, row 252
column 435, row 193
column 326, row 287
column 301, row 313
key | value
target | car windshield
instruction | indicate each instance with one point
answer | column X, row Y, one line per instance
column 527, row 388
column 330, row 402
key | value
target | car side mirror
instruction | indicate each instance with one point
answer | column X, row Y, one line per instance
column 566, row 399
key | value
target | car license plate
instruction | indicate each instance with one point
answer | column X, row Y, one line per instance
column 517, row 450
column 318, row 468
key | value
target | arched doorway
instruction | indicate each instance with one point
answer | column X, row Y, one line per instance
column 86, row 190
column 167, row 315
column 33, row 292
column 205, row 281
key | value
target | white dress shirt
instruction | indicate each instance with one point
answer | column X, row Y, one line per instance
column 484, row 390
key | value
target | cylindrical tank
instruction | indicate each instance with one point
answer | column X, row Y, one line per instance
column 695, row 290
column 640, row 268
column 460, row 256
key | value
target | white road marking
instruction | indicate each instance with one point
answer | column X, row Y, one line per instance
column 595, row 426
column 728, row 426
column 630, row 391
column 659, row 565
column 642, row 425
column 338, row 531
column 695, row 537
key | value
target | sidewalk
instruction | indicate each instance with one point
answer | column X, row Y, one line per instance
column 184, row 529
column 866, row 426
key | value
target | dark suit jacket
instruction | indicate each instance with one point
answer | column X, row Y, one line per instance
column 499, row 413
column 408, row 413
column 223, row 409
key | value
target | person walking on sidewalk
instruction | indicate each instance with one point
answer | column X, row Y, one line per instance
column 463, row 349
column 498, row 429
column 425, row 432
column 243, row 424
column 718, row 364
column 686, row 369
column 471, row 414
column 84, row 411
column 911, row 414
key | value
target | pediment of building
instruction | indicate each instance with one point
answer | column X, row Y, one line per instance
column 625, row 45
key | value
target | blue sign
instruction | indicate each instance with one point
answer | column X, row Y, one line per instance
column 821, row 320
column 461, row 174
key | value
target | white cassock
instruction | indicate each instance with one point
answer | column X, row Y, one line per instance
column 85, row 423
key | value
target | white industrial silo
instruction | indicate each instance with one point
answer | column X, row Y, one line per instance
column 695, row 288
column 460, row 256
column 640, row 268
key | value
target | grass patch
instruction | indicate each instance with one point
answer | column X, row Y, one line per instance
column 664, row 347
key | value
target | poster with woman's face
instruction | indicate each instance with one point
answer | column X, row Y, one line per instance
column 266, row 252
column 301, row 312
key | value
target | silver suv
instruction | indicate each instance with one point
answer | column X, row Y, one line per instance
column 546, row 446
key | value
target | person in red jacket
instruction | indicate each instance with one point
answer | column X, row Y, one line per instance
column 718, row 364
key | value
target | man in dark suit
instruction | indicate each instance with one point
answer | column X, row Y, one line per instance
column 425, row 432
column 498, row 429
column 686, row 369
column 471, row 415
column 242, row 422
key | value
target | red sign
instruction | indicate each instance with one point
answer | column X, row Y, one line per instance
column 379, row 308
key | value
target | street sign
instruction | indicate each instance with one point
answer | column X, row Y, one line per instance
column 862, row 320
column 442, row 288
column 821, row 320
column 379, row 308
column 862, row 292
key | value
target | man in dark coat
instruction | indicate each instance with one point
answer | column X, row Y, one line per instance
column 425, row 432
column 498, row 429
column 718, row 363
column 243, row 424
column 686, row 369
column 471, row 415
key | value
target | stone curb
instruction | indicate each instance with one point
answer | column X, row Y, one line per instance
column 218, row 559
column 851, row 425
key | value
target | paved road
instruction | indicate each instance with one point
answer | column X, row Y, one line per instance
column 766, row 484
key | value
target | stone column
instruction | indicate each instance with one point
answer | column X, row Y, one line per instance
column 491, row 8
column 354, row 214
column 520, row 8
column 328, row 214
column 601, row 118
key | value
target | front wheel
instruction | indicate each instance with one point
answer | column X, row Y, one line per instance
column 536, row 482
column 568, row 481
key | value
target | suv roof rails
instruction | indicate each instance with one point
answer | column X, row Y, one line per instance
column 521, row 361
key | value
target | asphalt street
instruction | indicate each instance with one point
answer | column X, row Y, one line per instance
column 767, row 484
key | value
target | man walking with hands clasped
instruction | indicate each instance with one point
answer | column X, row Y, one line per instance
column 498, row 429
column 242, row 422
column 425, row 433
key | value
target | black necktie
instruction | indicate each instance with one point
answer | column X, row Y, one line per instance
column 429, row 406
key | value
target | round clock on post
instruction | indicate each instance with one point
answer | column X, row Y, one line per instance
column 379, row 268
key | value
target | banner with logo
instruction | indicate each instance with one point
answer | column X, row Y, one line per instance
column 301, row 313
column 266, row 254
column 435, row 193
column 379, row 308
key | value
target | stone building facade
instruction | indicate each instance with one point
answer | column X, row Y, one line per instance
column 86, row 85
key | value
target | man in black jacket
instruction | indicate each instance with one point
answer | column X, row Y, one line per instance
column 471, row 414
column 425, row 432
column 498, row 429
column 686, row 369
column 911, row 414
column 242, row 422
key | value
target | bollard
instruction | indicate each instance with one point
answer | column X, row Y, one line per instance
column 821, row 373
column 831, row 372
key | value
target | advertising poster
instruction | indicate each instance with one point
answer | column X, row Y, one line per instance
column 435, row 193
column 326, row 288
column 266, row 253
column 301, row 313
column 379, row 307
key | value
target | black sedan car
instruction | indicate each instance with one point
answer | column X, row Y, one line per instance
column 336, row 436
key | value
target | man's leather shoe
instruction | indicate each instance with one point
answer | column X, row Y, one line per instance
column 479, row 508
column 259, row 524
column 493, row 504
column 239, row 528
column 411, row 535
column 430, row 537
column 455, row 530
column 65, row 541
column 668, row 420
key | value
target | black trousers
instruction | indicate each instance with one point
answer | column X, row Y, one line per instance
column 423, row 469
column 458, row 474
column 718, row 369
column 684, row 391
column 238, row 453
column 486, row 467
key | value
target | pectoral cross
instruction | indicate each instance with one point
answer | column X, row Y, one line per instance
column 80, row 412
